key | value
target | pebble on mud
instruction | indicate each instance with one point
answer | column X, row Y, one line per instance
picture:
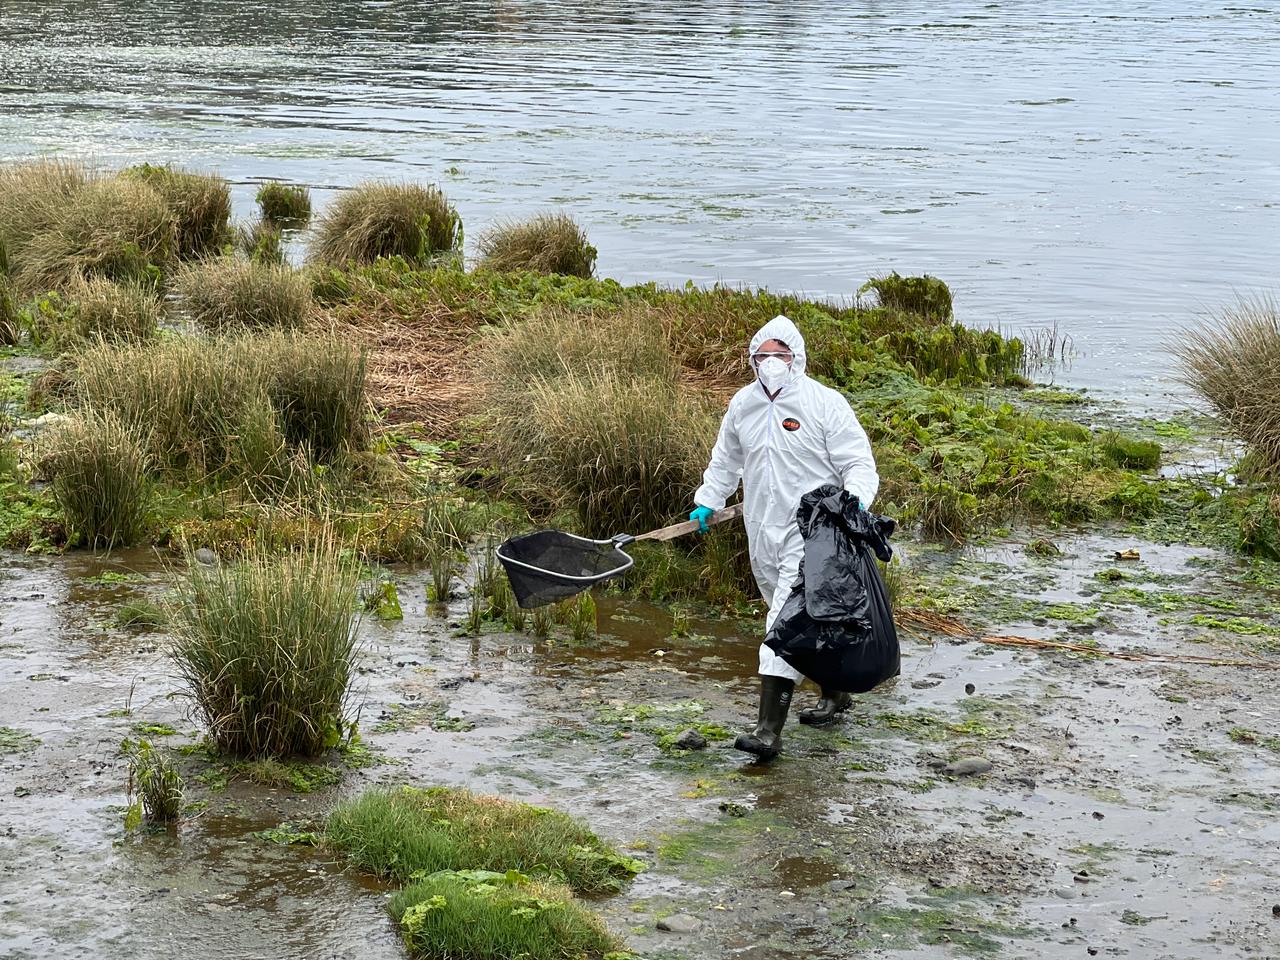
column 970, row 688
column 968, row 766
column 679, row 923
column 924, row 684
column 691, row 739
column 1275, row 911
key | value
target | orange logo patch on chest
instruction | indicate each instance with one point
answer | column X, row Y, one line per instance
column 791, row 423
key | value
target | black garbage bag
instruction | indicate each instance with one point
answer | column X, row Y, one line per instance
column 836, row 626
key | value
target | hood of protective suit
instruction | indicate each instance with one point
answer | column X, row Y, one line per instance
column 781, row 328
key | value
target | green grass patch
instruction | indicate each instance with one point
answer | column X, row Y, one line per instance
column 480, row 915
column 397, row 833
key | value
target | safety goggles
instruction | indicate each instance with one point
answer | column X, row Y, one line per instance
column 786, row 356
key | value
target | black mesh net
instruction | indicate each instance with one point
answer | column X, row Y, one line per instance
column 550, row 565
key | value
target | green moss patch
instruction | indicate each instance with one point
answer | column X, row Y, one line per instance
column 407, row 831
column 479, row 915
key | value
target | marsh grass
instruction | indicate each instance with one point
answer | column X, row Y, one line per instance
column 10, row 316
column 200, row 204
column 376, row 220
column 201, row 402
column 33, row 195
column 226, row 293
column 1235, row 365
column 115, row 227
column 98, row 471
column 924, row 296
column 266, row 647
column 580, row 615
column 401, row 832
column 96, row 309
column 544, row 621
column 479, row 915
column 284, row 204
column 261, row 242
column 156, row 783
column 590, row 413
column 547, row 243
column 442, row 558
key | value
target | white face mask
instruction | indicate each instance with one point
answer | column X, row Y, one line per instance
column 773, row 373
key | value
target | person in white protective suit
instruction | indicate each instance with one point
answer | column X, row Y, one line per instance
column 782, row 436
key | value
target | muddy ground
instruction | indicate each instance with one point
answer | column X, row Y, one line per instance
column 1132, row 808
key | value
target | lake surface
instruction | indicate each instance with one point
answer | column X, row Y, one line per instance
column 1112, row 170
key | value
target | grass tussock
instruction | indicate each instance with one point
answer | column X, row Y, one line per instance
column 33, row 195
column 225, row 293
column 548, row 243
column 925, row 296
column 403, row 832
column 156, row 783
column 596, row 415
column 98, row 471
column 120, row 228
column 220, row 406
column 200, row 203
column 375, row 220
column 96, row 309
column 284, row 204
column 261, row 242
column 266, row 646
column 478, row 915
column 1235, row 366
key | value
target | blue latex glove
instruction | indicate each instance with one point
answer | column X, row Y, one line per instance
column 702, row 515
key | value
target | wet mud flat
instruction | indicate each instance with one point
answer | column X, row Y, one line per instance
column 992, row 801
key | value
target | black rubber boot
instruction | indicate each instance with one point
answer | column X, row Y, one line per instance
column 833, row 702
column 775, row 700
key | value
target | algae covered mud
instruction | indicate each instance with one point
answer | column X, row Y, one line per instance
column 1081, row 165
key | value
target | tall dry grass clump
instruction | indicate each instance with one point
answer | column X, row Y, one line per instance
column 225, row 406
column 284, row 204
column 593, row 413
column 225, row 293
column 267, row 647
column 1235, row 366
column 200, row 204
column 548, row 243
column 98, row 309
column 114, row 227
column 97, row 469
column 373, row 220
column 33, row 195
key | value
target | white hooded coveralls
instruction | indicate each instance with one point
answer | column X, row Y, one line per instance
column 780, row 449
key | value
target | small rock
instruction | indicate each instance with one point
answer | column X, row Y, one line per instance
column 1082, row 877
column 691, row 739
column 1099, row 816
column 937, row 676
column 969, row 688
column 1275, row 911
column 838, row 885
column 679, row 923
column 206, row 556
column 968, row 767
column 923, row 684
column 1065, row 893
column 21, row 792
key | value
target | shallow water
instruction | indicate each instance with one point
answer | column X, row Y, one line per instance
column 1120, row 815
column 1110, row 169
